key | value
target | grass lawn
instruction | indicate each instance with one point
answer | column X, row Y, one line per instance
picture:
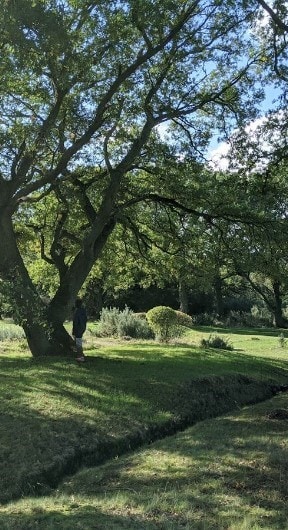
column 56, row 415
column 226, row 473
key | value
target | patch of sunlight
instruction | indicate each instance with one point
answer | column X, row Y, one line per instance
column 152, row 463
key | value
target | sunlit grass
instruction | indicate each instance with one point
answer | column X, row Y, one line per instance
column 226, row 473
column 53, row 411
column 258, row 342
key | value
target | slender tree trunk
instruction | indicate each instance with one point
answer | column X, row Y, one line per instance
column 70, row 284
column 183, row 296
column 217, row 284
column 279, row 320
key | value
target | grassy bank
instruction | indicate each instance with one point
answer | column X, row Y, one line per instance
column 56, row 415
column 228, row 473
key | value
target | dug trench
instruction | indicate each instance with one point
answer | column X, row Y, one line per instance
column 192, row 401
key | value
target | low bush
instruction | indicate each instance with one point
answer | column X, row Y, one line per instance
column 235, row 319
column 215, row 341
column 135, row 327
column 10, row 331
column 184, row 320
column 109, row 318
column 125, row 323
column 205, row 319
column 249, row 319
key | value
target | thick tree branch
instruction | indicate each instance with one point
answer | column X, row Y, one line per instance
column 276, row 19
column 209, row 217
column 98, row 118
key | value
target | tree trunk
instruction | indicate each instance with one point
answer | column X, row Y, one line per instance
column 41, row 343
column 183, row 296
column 94, row 297
column 42, row 323
column 279, row 320
column 217, row 284
column 44, row 336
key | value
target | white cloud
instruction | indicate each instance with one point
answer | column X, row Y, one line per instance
column 256, row 143
column 219, row 157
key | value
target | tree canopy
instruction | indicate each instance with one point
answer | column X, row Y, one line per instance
column 85, row 88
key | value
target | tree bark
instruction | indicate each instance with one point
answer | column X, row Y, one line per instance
column 279, row 320
column 217, row 284
column 44, row 336
column 95, row 294
column 183, row 296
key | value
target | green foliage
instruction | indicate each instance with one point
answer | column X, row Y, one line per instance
column 184, row 320
column 240, row 319
column 215, row 341
column 134, row 327
column 235, row 319
column 10, row 331
column 21, row 306
column 6, row 309
column 108, row 321
column 163, row 321
column 94, row 82
column 260, row 316
column 114, row 322
column 204, row 319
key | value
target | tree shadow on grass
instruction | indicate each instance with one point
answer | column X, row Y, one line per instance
column 85, row 518
column 210, row 476
column 270, row 332
column 57, row 416
column 220, row 470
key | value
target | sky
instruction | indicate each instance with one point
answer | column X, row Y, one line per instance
column 217, row 152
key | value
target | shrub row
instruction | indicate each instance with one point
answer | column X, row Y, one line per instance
column 161, row 322
column 116, row 323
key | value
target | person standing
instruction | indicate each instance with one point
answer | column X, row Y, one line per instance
column 79, row 327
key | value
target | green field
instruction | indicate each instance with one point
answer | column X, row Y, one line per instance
column 58, row 419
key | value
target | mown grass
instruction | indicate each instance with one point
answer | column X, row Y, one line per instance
column 225, row 473
column 53, row 410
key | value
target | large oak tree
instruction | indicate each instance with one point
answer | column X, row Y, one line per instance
column 84, row 86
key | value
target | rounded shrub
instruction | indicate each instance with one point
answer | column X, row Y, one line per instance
column 184, row 320
column 163, row 321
